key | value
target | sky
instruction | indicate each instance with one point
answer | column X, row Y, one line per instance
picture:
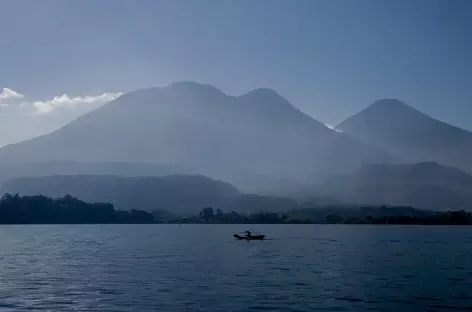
column 329, row 58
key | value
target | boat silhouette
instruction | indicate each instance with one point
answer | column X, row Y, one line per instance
column 249, row 237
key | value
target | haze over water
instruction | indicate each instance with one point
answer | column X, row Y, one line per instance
column 201, row 268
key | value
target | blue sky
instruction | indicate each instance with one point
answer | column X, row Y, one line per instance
column 329, row 58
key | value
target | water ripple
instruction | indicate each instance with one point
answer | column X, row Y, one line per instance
column 201, row 268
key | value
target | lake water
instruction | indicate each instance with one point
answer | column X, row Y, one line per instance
column 201, row 268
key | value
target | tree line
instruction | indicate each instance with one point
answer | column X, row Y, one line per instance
column 332, row 215
column 15, row 209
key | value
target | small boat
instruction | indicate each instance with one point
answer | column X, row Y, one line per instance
column 252, row 237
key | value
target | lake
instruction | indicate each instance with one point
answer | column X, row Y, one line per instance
column 202, row 268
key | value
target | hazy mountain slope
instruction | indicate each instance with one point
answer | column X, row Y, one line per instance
column 410, row 134
column 199, row 127
column 422, row 185
column 127, row 169
column 247, row 182
column 175, row 193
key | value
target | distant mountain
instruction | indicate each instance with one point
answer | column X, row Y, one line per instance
column 174, row 193
column 410, row 134
column 126, row 169
column 421, row 185
column 247, row 182
column 200, row 128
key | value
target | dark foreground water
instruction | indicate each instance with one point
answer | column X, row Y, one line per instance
column 201, row 268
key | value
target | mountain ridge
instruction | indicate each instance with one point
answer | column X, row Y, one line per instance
column 410, row 134
column 425, row 185
column 202, row 128
column 178, row 193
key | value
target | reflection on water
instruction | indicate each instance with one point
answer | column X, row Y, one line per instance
column 202, row 268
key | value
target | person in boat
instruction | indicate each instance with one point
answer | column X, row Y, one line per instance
column 248, row 234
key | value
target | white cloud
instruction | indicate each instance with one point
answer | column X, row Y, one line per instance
column 22, row 118
column 333, row 128
column 8, row 94
column 9, row 97
column 71, row 102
